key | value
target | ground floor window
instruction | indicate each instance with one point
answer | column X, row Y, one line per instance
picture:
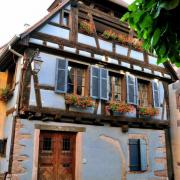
column 137, row 155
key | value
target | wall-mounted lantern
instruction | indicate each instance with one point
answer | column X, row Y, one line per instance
column 36, row 64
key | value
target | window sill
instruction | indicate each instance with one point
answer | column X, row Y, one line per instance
column 137, row 172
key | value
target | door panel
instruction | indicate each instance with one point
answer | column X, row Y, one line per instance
column 56, row 156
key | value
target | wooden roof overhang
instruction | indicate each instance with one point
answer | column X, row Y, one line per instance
column 5, row 54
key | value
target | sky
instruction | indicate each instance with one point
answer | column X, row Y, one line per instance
column 15, row 13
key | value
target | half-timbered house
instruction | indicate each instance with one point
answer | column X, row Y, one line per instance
column 80, row 99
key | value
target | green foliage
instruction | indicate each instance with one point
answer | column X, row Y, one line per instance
column 5, row 94
column 157, row 25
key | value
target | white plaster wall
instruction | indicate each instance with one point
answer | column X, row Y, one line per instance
column 53, row 100
column 4, row 162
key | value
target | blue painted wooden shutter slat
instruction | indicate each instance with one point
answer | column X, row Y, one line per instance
column 103, row 84
column 143, row 152
column 95, row 82
column 156, row 98
column 131, row 89
column 61, row 76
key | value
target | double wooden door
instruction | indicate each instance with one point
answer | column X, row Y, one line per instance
column 56, row 156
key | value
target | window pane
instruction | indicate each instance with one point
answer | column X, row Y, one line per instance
column 70, row 87
column 80, row 81
column 143, row 94
column 66, row 19
column 115, row 88
column 47, row 143
column 66, row 144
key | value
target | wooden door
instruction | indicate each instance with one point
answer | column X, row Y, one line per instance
column 56, row 156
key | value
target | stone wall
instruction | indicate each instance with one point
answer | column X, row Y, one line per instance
column 175, row 127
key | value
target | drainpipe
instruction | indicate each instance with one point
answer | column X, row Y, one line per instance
column 14, row 52
column 14, row 115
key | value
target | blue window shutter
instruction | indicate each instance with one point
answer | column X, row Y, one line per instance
column 134, row 155
column 95, row 83
column 131, row 89
column 103, row 84
column 61, row 76
column 143, row 152
column 136, row 92
column 155, row 88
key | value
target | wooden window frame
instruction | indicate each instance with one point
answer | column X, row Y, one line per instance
column 113, row 75
column 178, row 99
column 62, row 18
column 149, row 91
column 85, row 74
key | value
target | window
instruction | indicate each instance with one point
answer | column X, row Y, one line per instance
column 156, row 98
column 3, row 144
column 143, row 93
column 114, row 88
column 137, row 155
column 65, row 18
column 76, row 80
column 70, row 77
column 61, row 18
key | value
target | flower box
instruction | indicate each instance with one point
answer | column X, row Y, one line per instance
column 86, row 27
column 147, row 112
column 119, row 109
column 80, row 102
column 122, row 39
column 80, row 109
column 5, row 94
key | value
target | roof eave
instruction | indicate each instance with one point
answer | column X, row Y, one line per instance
column 5, row 50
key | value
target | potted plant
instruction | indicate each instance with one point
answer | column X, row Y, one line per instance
column 109, row 34
column 148, row 112
column 122, row 38
column 86, row 27
column 5, row 94
column 82, row 102
column 119, row 108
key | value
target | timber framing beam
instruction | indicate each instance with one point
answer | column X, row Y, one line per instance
column 53, row 114
column 92, row 61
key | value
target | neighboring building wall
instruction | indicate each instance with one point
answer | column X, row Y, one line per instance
column 7, row 128
column 105, row 152
column 3, row 83
column 7, row 132
column 174, row 91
